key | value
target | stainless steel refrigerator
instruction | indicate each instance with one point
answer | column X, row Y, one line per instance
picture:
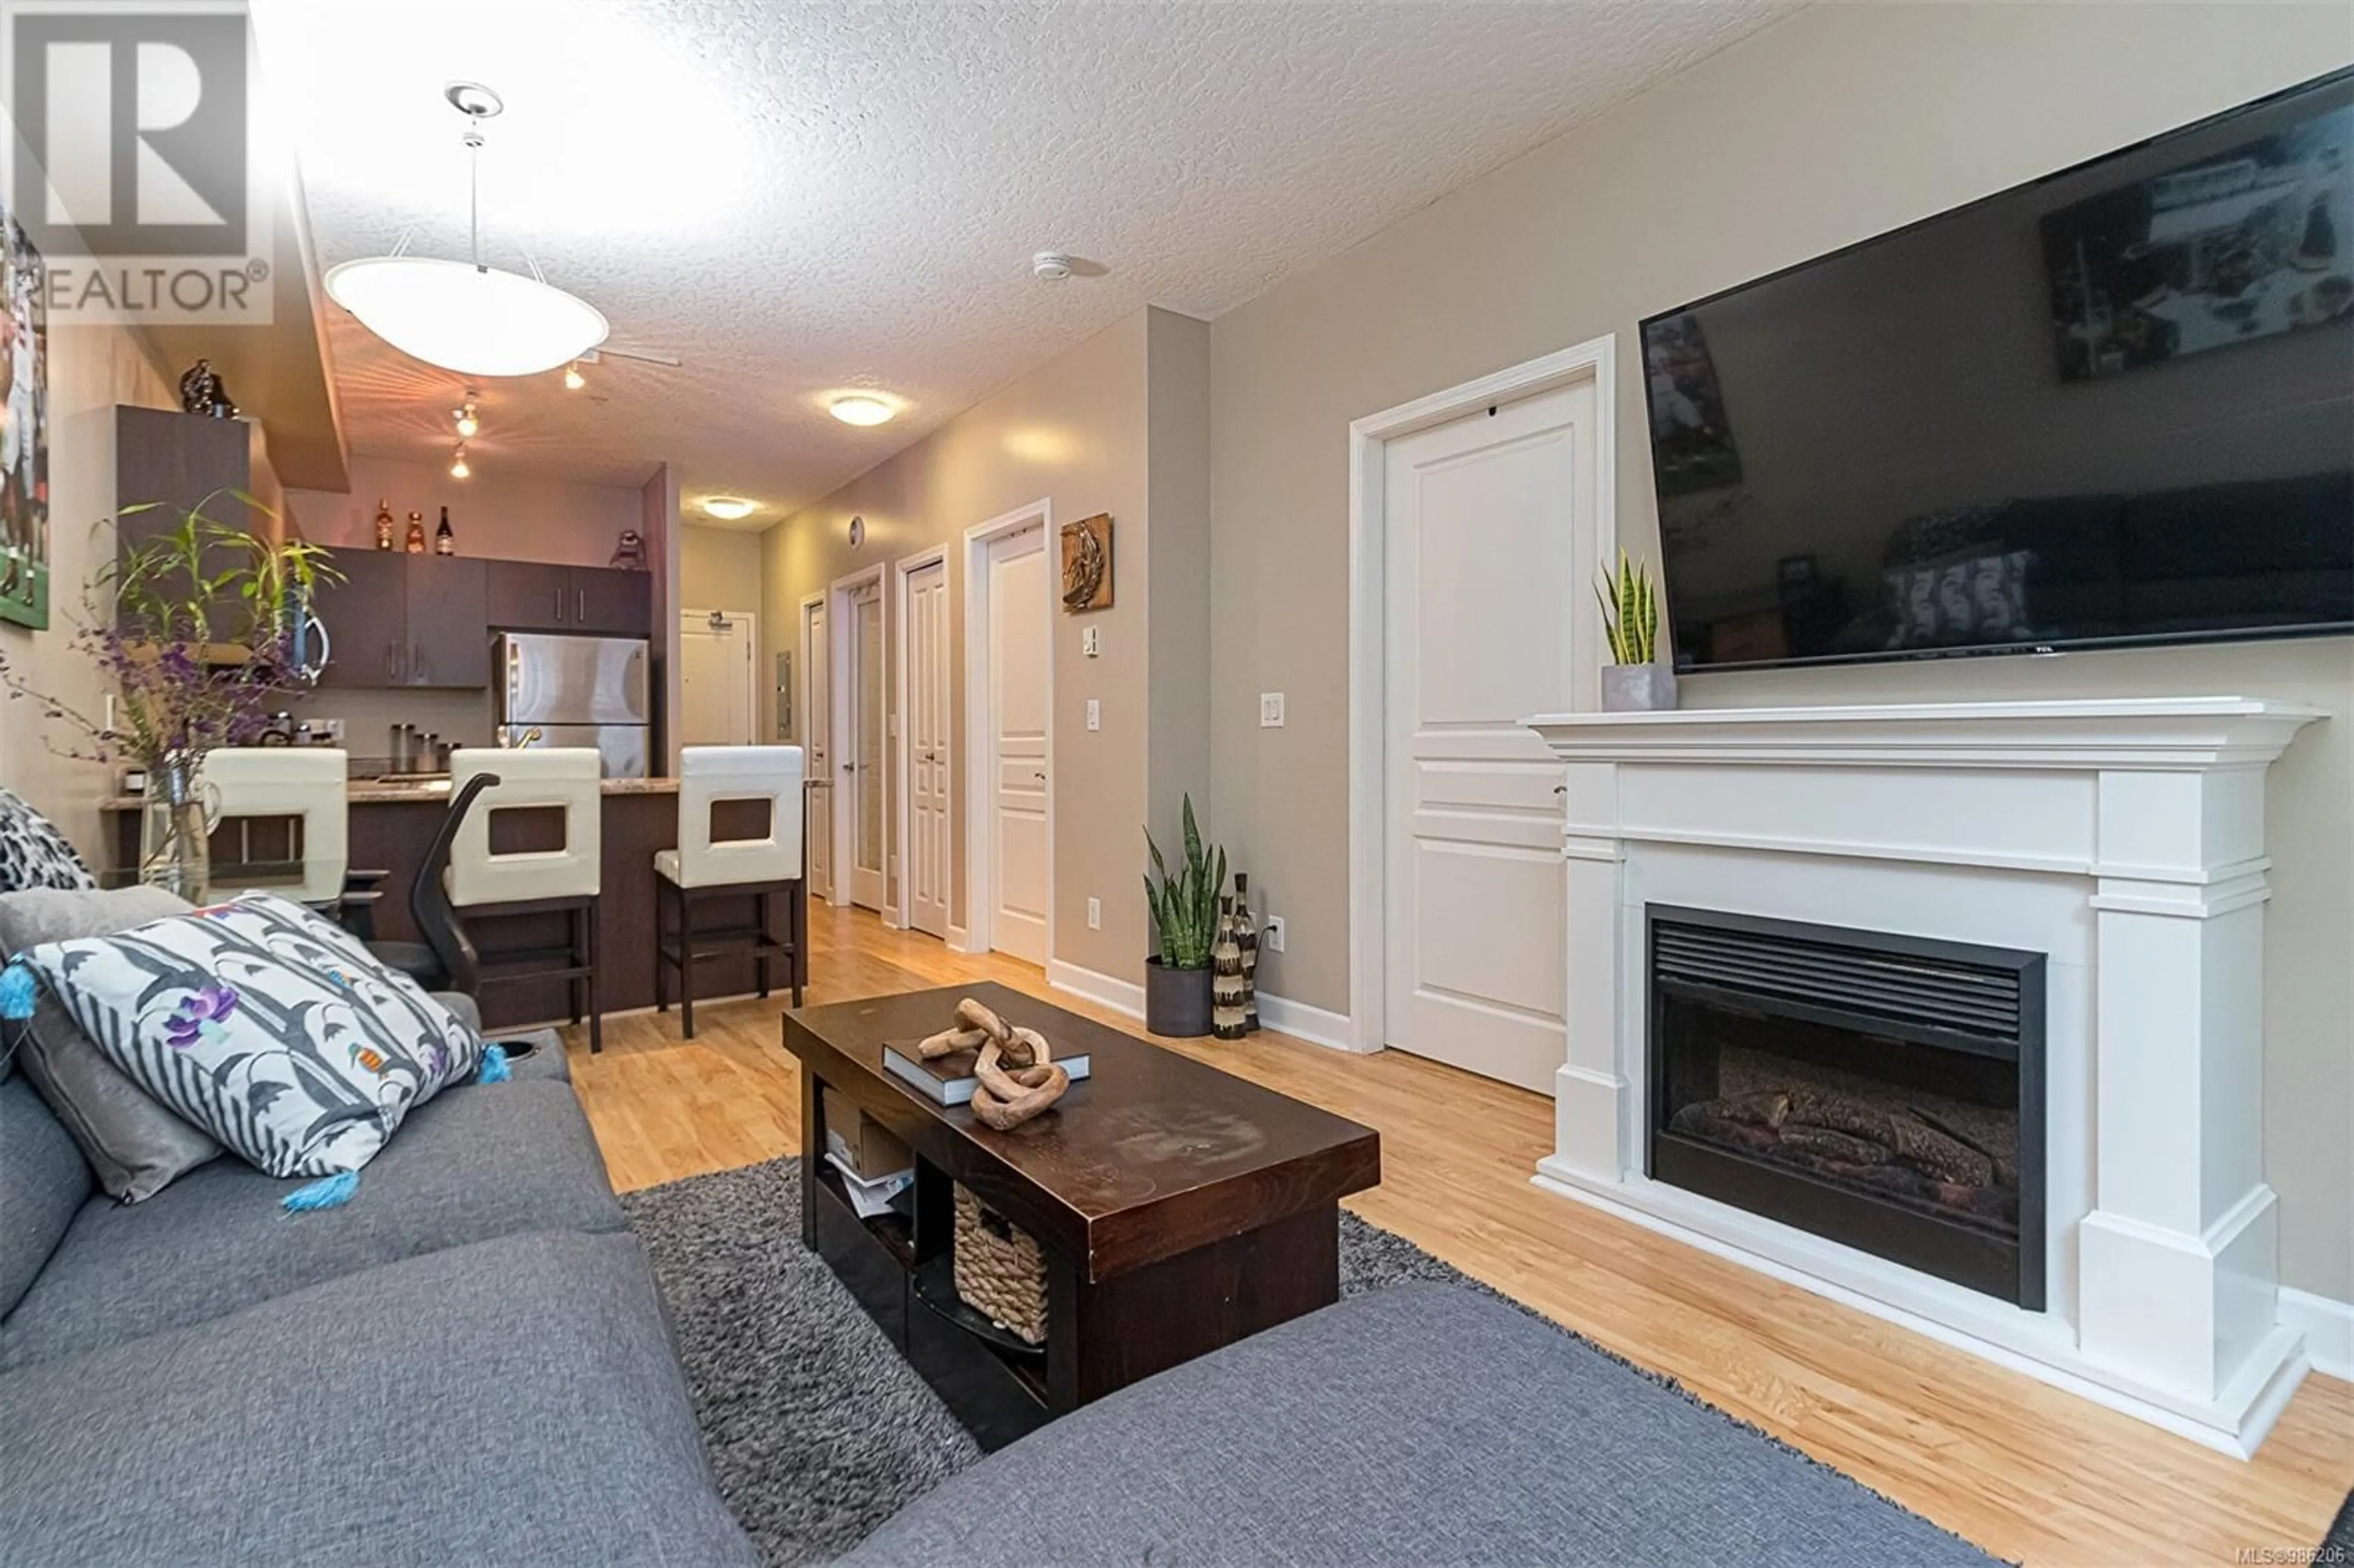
column 577, row 691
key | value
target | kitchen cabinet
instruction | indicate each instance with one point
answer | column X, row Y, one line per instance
column 528, row 596
column 449, row 627
column 597, row 601
column 398, row 620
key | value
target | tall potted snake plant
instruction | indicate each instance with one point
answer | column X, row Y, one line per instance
column 1185, row 921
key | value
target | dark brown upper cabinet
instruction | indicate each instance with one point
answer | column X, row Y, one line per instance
column 596, row 602
column 403, row 620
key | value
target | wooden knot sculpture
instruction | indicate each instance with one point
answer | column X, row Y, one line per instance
column 1016, row 1069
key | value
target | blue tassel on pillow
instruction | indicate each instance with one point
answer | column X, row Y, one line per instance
column 495, row 1068
column 328, row 1192
column 18, row 992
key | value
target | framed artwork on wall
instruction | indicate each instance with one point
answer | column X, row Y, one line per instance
column 24, row 436
column 1087, row 564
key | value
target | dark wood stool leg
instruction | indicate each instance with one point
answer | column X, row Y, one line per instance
column 595, row 926
column 797, row 921
column 686, row 962
column 576, row 940
column 767, row 939
column 662, row 953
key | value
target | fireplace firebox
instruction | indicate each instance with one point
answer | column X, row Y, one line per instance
column 1880, row 1090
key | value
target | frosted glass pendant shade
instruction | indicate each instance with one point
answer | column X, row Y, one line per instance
column 477, row 320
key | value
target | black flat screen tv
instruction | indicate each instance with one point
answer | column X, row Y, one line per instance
column 2112, row 406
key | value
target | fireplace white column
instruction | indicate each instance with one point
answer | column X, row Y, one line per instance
column 2124, row 840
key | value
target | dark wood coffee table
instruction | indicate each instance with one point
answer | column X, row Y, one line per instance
column 1179, row 1208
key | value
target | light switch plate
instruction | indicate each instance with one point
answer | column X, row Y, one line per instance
column 1091, row 642
column 1094, row 713
column 1095, row 914
column 1270, row 710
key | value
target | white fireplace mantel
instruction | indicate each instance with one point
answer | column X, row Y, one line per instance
column 2123, row 839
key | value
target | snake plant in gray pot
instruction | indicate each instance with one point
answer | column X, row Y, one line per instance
column 1185, row 921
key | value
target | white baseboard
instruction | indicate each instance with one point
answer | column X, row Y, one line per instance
column 2328, row 1329
column 1301, row 1022
column 1121, row 996
column 959, row 940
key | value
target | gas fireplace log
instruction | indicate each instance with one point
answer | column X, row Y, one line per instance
column 1828, row 1144
column 1912, row 1141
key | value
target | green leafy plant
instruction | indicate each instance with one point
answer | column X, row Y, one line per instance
column 1185, row 906
column 1630, row 612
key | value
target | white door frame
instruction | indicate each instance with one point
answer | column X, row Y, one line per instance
column 752, row 696
column 903, row 762
column 980, row 745
column 808, row 715
column 1594, row 360
column 840, row 743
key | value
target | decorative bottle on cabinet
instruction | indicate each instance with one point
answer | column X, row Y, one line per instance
column 417, row 533
column 445, row 542
column 383, row 524
column 1246, row 938
column 1227, row 1020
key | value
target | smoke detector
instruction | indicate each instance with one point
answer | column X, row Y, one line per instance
column 1053, row 266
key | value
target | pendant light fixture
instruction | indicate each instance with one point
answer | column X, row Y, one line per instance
column 466, row 316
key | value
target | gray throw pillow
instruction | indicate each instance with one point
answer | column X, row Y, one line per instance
column 135, row 1144
column 265, row 1023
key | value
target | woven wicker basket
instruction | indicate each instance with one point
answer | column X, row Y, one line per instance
column 1000, row 1272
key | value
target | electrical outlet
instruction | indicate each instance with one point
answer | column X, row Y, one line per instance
column 1094, row 713
column 1095, row 914
column 1270, row 710
column 1270, row 935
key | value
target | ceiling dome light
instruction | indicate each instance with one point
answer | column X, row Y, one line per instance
column 729, row 508
column 862, row 411
column 470, row 423
column 477, row 320
column 457, row 467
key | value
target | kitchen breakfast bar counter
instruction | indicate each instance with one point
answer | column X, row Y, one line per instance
column 392, row 821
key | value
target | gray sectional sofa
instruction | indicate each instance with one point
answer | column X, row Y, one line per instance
column 467, row 1365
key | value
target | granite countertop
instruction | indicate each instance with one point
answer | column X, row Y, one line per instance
column 377, row 792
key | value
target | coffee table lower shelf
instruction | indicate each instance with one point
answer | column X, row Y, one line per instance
column 993, row 1383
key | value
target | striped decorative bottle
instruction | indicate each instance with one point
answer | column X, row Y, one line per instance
column 1246, row 938
column 1227, row 986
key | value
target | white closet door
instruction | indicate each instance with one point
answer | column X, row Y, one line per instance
column 869, row 839
column 1018, row 651
column 817, row 720
column 926, row 861
column 1482, row 599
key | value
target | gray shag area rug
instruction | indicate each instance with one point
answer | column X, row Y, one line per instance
column 818, row 1430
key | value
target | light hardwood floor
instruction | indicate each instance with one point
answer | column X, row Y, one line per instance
column 2025, row 1470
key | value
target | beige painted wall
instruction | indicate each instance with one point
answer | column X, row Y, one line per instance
column 499, row 513
column 91, row 369
column 1834, row 125
column 718, row 568
column 1075, row 432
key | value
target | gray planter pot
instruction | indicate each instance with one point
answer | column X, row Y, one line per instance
column 1176, row 1001
column 1638, row 688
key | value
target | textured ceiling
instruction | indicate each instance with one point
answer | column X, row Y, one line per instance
column 799, row 200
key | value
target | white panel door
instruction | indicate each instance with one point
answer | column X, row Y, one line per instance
column 926, row 859
column 869, row 842
column 817, row 721
column 1017, row 829
column 1482, row 597
column 714, row 696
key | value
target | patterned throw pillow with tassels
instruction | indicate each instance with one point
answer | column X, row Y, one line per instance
column 269, row 1026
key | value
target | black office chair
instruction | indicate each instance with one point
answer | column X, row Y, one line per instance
column 446, row 958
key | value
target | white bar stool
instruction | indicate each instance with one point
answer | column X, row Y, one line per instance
column 703, row 870
column 563, row 878
column 278, row 783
